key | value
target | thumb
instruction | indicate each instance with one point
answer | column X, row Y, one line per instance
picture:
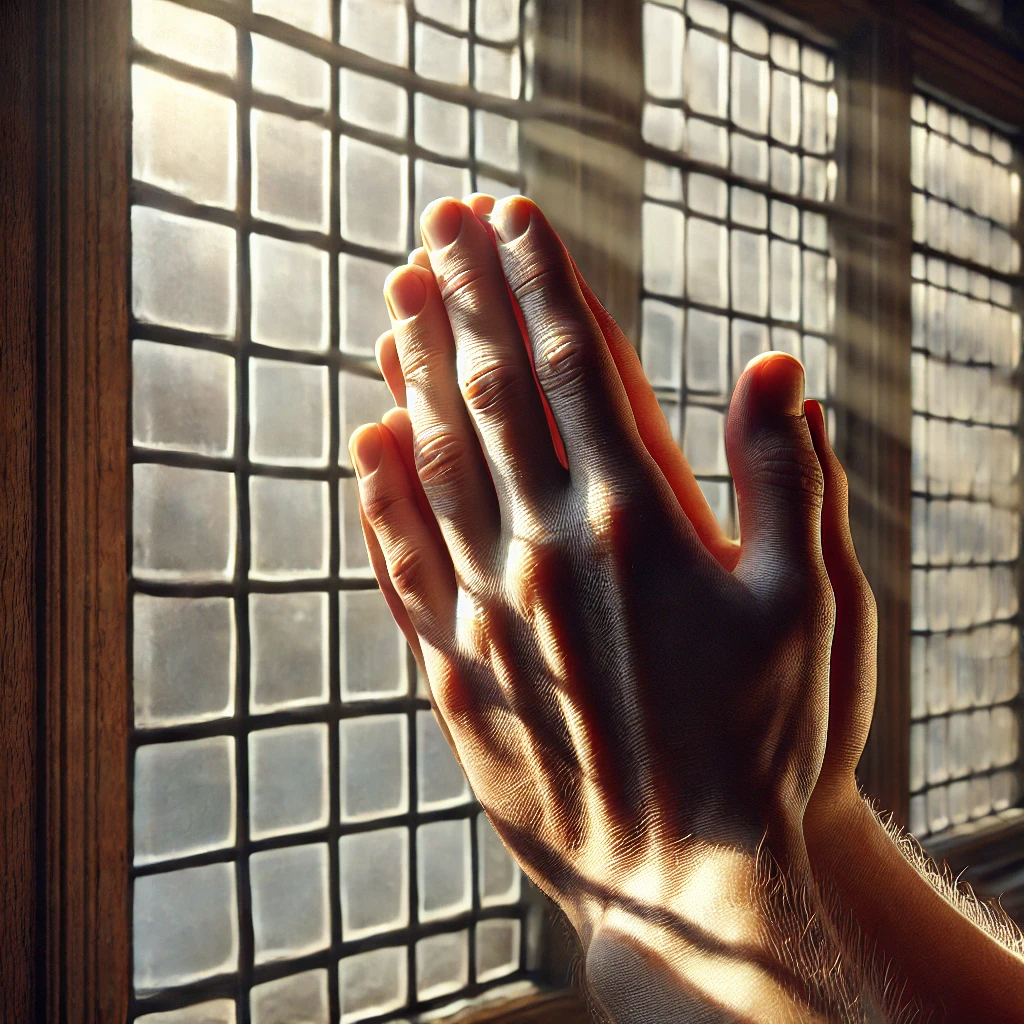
column 779, row 486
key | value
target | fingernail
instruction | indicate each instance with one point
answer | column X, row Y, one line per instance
column 441, row 223
column 405, row 293
column 366, row 448
column 481, row 203
column 511, row 217
column 780, row 383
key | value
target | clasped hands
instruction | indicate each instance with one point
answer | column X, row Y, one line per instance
column 643, row 707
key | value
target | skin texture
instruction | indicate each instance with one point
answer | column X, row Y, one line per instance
column 534, row 580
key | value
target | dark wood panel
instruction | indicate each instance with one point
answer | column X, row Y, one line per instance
column 19, row 176
column 85, row 509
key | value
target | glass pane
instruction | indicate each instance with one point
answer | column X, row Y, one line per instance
column 374, row 760
column 290, row 528
column 291, row 163
column 183, row 272
column 372, row 983
column 198, row 940
column 444, row 869
column 184, row 798
column 373, row 201
column 289, row 294
column 184, row 659
column 218, row 1011
column 186, row 35
column 289, row 650
column 442, row 964
column 288, row 413
column 183, row 399
column 309, row 15
column 497, row 948
column 440, row 778
column 288, row 780
column 290, row 902
column 374, row 882
column 298, row 999
column 183, row 523
column 197, row 159
column 284, row 71
column 374, row 648
column 379, row 28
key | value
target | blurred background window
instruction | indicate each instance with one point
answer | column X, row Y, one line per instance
column 966, row 447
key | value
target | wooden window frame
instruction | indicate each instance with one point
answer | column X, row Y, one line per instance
column 65, row 940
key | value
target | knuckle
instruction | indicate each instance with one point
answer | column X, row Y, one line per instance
column 407, row 568
column 440, row 457
column 461, row 282
column 381, row 504
column 565, row 358
column 492, row 389
column 791, row 469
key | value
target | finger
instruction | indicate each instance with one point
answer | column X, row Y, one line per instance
column 419, row 258
column 419, row 568
column 778, row 479
column 386, row 350
column 398, row 422
column 853, row 672
column 495, row 374
column 481, row 203
column 657, row 435
column 449, row 461
column 572, row 361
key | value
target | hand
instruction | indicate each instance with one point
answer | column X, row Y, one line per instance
column 540, row 599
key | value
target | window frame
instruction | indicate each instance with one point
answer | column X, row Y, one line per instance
column 66, row 953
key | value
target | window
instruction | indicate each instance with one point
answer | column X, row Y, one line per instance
column 740, row 126
column 207, row 271
column 303, row 837
column 965, row 654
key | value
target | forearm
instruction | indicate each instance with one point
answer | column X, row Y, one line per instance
column 959, row 959
column 750, row 941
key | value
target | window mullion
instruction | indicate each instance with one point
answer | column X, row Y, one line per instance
column 873, row 373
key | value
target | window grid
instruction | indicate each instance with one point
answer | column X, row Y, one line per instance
column 748, row 164
column 966, row 520
column 238, row 578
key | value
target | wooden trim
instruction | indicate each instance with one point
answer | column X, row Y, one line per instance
column 86, row 829
column 19, row 324
column 565, row 1007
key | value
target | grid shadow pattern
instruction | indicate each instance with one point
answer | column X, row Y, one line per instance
column 739, row 131
column 305, row 844
column 966, row 511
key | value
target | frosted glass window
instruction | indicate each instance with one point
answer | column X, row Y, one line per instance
column 264, row 655
column 378, row 28
column 372, row 983
column 290, row 171
column 309, row 15
column 288, row 415
column 183, row 399
column 442, row 964
column 374, row 761
column 186, row 35
column 499, row 876
column 297, row 999
column 184, row 798
column 364, row 318
column 289, row 786
column 183, row 272
column 282, row 70
column 217, row 1011
column 374, row 195
column 966, row 517
column 289, row 650
column 373, row 645
column 290, row 905
column 183, row 523
column 371, row 103
column 374, row 882
column 730, row 271
column 199, row 939
column 289, row 294
column 290, row 528
column 497, row 948
column 184, row 659
column 444, row 869
column 197, row 158
column 441, row 780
